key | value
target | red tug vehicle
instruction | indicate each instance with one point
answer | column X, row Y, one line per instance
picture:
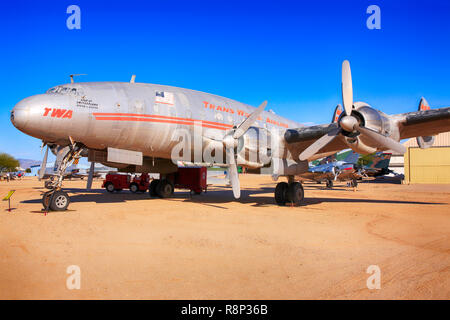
column 192, row 178
column 118, row 182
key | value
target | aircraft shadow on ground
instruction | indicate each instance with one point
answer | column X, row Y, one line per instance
column 213, row 198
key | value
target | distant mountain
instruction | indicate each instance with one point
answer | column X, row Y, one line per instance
column 27, row 163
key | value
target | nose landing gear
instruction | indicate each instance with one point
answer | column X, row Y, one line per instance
column 57, row 199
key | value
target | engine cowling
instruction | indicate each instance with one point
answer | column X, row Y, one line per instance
column 372, row 119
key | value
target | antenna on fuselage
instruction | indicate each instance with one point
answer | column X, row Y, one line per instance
column 76, row 75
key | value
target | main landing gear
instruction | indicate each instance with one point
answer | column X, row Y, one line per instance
column 162, row 188
column 330, row 184
column 289, row 193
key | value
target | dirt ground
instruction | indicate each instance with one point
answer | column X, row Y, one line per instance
column 129, row 246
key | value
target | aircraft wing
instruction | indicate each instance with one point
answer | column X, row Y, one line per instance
column 410, row 124
column 299, row 139
column 423, row 123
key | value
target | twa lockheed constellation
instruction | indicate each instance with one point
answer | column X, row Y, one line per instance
column 138, row 127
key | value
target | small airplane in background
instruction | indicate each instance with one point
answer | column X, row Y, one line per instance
column 136, row 127
column 375, row 164
column 352, row 168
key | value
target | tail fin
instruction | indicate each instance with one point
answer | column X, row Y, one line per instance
column 352, row 157
column 424, row 142
column 381, row 160
column 423, row 105
column 337, row 113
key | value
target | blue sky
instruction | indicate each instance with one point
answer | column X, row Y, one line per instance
column 288, row 52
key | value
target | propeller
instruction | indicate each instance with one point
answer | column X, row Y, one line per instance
column 90, row 176
column 350, row 123
column 230, row 142
column 44, row 163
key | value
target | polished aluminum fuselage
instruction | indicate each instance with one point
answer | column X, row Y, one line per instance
column 132, row 116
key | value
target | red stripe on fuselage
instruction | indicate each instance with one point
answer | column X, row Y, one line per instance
column 185, row 122
column 135, row 116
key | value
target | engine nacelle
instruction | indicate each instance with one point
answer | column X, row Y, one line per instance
column 372, row 119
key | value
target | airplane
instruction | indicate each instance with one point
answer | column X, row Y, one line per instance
column 352, row 168
column 330, row 169
column 139, row 127
column 375, row 164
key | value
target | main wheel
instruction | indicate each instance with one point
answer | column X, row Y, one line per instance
column 152, row 188
column 281, row 193
column 59, row 201
column 164, row 189
column 109, row 186
column 354, row 183
column 134, row 187
column 329, row 184
column 296, row 193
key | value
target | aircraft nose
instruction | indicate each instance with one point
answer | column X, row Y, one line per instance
column 19, row 116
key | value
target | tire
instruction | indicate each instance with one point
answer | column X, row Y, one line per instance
column 46, row 200
column 296, row 193
column 354, row 183
column 329, row 184
column 152, row 188
column 60, row 201
column 164, row 189
column 134, row 188
column 109, row 186
column 281, row 193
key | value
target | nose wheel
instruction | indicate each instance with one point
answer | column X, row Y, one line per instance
column 289, row 193
column 55, row 200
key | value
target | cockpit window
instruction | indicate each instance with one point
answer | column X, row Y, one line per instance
column 66, row 90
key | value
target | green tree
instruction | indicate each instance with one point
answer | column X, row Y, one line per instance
column 28, row 170
column 8, row 162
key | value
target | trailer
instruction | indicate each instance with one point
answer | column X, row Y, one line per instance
column 191, row 178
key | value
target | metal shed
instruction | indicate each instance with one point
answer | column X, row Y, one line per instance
column 430, row 165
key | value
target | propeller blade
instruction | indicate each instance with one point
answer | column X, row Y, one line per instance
column 90, row 176
column 247, row 123
column 233, row 173
column 383, row 141
column 347, row 90
column 43, row 165
column 319, row 144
